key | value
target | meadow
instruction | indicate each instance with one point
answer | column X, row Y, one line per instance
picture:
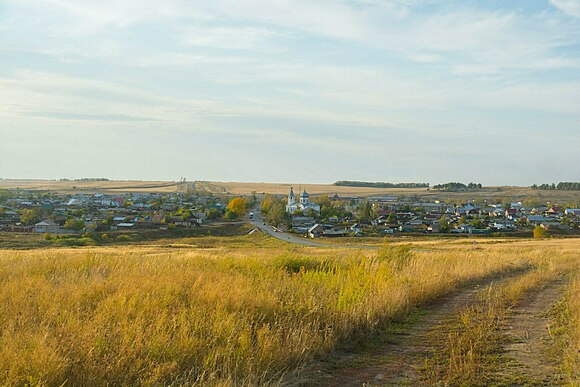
column 238, row 314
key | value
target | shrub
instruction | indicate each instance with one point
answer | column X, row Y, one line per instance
column 540, row 232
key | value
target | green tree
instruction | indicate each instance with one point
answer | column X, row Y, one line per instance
column 214, row 213
column 365, row 212
column 477, row 222
column 277, row 214
column 392, row 218
column 310, row 212
column 29, row 217
column 74, row 224
column 444, row 224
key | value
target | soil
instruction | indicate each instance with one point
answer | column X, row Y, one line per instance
column 397, row 354
column 529, row 327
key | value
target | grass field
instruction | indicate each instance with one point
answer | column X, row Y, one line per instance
column 230, row 314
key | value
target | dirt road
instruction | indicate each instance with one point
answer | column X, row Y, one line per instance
column 398, row 353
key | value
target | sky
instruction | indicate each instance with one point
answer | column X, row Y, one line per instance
column 309, row 91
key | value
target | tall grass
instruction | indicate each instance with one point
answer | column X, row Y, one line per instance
column 567, row 331
column 149, row 316
column 472, row 350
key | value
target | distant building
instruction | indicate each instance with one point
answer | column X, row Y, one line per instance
column 46, row 226
column 315, row 231
column 303, row 205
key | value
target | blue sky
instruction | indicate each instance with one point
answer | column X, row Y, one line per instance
column 291, row 90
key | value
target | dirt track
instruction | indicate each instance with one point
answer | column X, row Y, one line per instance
column 529, row 326
column 400, row 354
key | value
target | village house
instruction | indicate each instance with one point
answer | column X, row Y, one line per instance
column 47, row 226
column 315, row 231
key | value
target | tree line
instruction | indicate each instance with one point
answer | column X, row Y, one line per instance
column 369, row 184
column 456, row 186
column 562, row 186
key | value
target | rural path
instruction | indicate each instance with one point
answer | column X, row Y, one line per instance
column 396, row 360
column 529, row 326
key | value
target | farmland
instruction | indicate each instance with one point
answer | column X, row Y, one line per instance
column 247, row 188
column 255, row 311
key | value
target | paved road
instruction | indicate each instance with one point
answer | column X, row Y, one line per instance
column 259, row 222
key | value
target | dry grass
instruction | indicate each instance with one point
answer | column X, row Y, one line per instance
column 490, row 193
column 146, row 315
column 567, row 332
column 240, row 188
column 471, row 353
column 112, row 186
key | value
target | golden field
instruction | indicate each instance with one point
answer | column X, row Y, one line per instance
column 489, row 193
column 247, row 188
column 246, row 315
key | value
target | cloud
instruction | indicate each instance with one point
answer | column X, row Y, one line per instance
column 239, row 38
column 569, row 7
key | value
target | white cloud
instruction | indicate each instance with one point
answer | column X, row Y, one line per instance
column 569, row 7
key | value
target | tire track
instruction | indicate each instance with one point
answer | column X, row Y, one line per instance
column 402, row 354
column 529, row 327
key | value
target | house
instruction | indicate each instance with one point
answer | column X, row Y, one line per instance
column 480, row 231
column 118, row 219
column 158, row 217
column 315, row 231
column 511, row 213
column 302, row 221
column 356, row 228
column 536, row 219
column 335, row 233
column 382, row 199
column 572, row 211
column 47, row 226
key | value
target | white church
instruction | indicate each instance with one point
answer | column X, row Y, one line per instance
column 303, row 205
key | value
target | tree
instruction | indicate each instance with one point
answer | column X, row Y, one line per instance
column 311, row 213
column 477, row 222
column 365, row 212
column 444, row 224
column 74, row 224
column 267, row 203
column 236, row 208
column 540, row 232
column 392, row 218
column 29, row 217
column 213, row 214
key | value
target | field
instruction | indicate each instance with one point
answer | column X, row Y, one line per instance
column 89, row 186
column 254, row 311
column 237, row 188
column 489, row 193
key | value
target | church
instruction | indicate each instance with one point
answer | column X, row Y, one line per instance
column 303, row 205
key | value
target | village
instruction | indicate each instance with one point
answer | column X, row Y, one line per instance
column 389, row 215
column 26, row 211
column 321, row 216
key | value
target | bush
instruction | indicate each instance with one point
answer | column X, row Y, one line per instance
column 540, row 232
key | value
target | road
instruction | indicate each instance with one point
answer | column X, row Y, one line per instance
column 259, row 222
